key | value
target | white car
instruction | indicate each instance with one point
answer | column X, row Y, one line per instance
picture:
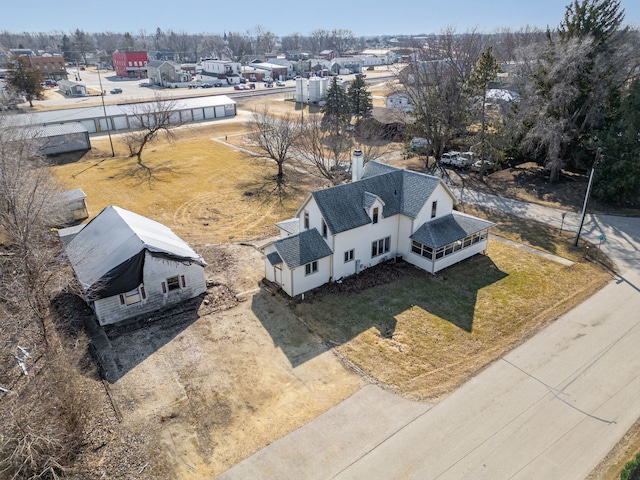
column 489, row 166
column 280, row 83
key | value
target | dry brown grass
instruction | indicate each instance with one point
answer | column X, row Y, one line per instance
column 206, row 191
column 423, row 336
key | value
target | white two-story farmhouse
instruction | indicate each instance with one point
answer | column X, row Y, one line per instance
column 385, row 212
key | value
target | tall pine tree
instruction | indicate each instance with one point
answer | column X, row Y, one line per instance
column 359, row 98
column 337, row 109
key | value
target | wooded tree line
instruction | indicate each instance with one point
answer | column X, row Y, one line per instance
column 577, row 94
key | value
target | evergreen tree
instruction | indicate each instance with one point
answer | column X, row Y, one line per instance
column 24, row 79
column 337, row 110
column 575, row 80
column 359, row 98
column 618, row 175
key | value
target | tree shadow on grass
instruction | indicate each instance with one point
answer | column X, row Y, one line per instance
column 161, row 173
column 339, row 312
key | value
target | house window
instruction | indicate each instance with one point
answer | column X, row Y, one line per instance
column 434, row 208
column 306, row 220
column 324, row 229
column 380, row 247
column 375, row 215
column 311, row 268
column 422, row 250
column 348, row 256
column 132, row 297
column 173, row 283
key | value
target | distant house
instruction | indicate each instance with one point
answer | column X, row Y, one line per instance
column 164, row 72
column 129, row 265
column 399, row 101
column 386, row 56
column 384, row 213
column 328, row 54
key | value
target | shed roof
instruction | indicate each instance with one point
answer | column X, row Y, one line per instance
column 305, row 247
column 108, row 245
column 448, row 229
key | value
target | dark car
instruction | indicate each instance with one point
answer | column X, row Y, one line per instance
column 116, row 90
column 206, row 85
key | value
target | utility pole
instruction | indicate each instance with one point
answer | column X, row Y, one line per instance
column 104, row 111
column 586, row 195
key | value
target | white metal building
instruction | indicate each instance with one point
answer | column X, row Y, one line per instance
column 121, row 117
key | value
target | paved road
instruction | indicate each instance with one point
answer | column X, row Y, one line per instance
column 550, row 409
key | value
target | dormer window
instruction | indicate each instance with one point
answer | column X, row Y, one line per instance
column 375, row 215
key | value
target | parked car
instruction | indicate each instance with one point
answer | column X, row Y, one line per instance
column 448, row 157
column 219, row 84
column 280, row 83
column 463, row 161
column 206, row 85
column 268, row 85
column 238, row 87
column 116, row 90
column 144, row 84
column 489, row 166
column 49, row 82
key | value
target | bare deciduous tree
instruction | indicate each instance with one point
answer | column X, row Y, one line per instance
column 150, row 120
column 275, row 136
column 319, row 152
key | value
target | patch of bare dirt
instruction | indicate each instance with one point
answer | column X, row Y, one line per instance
column 207, row 384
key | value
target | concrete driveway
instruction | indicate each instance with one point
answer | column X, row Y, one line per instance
column 551, row 408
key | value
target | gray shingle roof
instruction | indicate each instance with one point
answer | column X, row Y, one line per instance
column 369, row 198
column 274, row 258
column 291, row 226
column 303, row 248
column 402, row 191
column 445, row 230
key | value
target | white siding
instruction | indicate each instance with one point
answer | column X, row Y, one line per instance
column 460, row 255
column 444, row 207
column 220, row 111
column 303, row 283
column 156, row 270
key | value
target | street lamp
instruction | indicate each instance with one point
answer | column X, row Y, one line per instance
column 586, row 195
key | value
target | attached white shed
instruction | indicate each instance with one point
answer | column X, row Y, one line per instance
column 129, row 265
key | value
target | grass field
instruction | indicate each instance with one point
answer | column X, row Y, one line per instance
column 205, row 190
column 424, row 335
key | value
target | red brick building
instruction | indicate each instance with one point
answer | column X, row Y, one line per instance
column 130, row 64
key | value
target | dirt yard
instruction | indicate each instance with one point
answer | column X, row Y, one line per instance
column 211, row 386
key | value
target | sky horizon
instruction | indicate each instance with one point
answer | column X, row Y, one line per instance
column 284, row 17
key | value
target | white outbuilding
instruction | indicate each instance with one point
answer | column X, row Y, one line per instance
column 129, row 265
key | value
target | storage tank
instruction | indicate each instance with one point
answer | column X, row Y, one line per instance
column 315, row 93
column 302, row 90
